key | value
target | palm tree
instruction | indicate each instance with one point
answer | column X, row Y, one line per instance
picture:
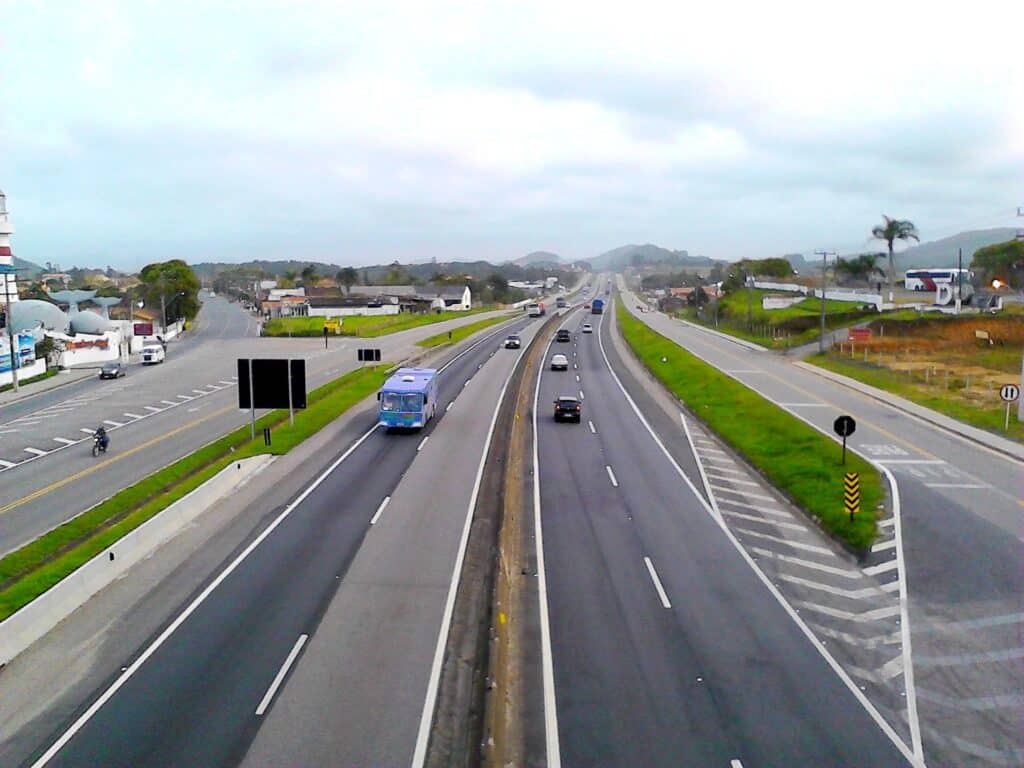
column 347, row 277
column 861, row 267
column 892, row 230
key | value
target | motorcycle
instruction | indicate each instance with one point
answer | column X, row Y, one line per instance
column 99, row 444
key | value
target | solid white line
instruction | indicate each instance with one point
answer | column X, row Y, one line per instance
column 657, row 583
column 123, row 678
column 269, row 695
column 908, row 461
column 611, row 476
column 700, row 466
column 7, row 464
column 422, row 443
column 113, row 423
column 805, row 405
column 426, row 718
column 958, row 485
column 132, row 415
column 380, row 509
column 36, row 451
column 449, row 406
column 65, row 440
column 592, row 430
column 915, row 755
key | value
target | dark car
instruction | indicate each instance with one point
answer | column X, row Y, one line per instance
column 513, row 342
column 113, row 370
column 563, row 335
column 568, row 408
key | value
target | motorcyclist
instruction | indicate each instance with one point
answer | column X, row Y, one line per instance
column 101, row 435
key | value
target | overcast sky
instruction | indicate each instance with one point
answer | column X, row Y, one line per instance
column 366, row 132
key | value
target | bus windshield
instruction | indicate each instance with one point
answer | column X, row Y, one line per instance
column 405, row 403
column 391, row 401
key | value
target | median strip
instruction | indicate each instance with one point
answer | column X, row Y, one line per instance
column 458, row 334
column 797, row 459
column 29, row 571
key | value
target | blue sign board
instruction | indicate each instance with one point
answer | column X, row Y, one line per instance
column 26, row 345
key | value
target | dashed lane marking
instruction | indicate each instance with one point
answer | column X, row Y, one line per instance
column 113, row 423
column 132, row 415
column 611, row 476
column 153, row 408
column 36, row 451
column 657, row 583
column 86, row 431
column 592, row 430
column 65, row 440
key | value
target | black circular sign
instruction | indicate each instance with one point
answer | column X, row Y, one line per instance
column 845, row 426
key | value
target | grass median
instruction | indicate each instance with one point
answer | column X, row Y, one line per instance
column 796, row 458
column 50, row 372
column 29, row 571
column 458, row 334
column 364, row 326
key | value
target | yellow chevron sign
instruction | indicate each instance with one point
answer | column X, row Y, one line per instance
column 851, row 493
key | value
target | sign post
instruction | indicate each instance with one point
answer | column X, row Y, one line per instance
column 325, row 336
column 252, row 406
column 1009, row 393
column 851, row 493
column 291, row 409
column 844, row 426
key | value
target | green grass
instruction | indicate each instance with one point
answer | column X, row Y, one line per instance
column 458, row 334
column 50, row 372
column 363, row 326
column 949, row 402
column 796, row 458
column 37, row 566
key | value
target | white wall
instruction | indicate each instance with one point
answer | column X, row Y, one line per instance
column 387, row 309
column 780, row 302
column 92, row 356
column 25, row 372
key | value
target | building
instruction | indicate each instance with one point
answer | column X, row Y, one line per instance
column 8, row 281
column 421, row 298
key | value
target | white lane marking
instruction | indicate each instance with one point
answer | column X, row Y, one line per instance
column 380, row 509
column 986, row 621
column 582, row 396
column 36, row 451
column 732, row 479
column 756, row 519
column 575, row 366
column 65, row 440
column 113, row 423
column 883, row 545
column 87, row 431
column 878, row 613
column 700, row 466
column 169, row 402
column 193, row 410
column 758, row 508
column 269, row 695
column 186, row 398
column 735, row 764
column 611, row 476
column 153, row 408
column 852, row 594
column 577, row 377
column 7, row 464
column 132, row 415
column 871, row 643
column 846, row 574
column 969, row 486
column 713, row 450
column 231, row 383
column 449, row 406
column 887, row 523
column 907, row 461
column 874, row 570
column 427, row 717
column 592, row 430
column 153, row 647
column 422, row 443
column 739, row 472
column 805, row 405
column 25, row 422
column 200, row 392
column 787, row 542
column 9, row 431
column 657, row 583
column 738, row 492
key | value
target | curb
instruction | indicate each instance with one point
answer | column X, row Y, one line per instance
column 913, row 409
column 44, row 391
column 33, row 620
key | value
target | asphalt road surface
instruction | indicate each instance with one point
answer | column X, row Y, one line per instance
column 154, row 415
column 201, row 695
column 666, row 648
column 961, row 508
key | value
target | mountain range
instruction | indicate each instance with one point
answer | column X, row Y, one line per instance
column 943, row 253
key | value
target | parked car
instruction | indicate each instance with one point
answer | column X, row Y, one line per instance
column 113, row 370
column 563, row 335
column 152, row 354
column 587, row 328
column 559, row 363
column 513, row 342
column 568, row 408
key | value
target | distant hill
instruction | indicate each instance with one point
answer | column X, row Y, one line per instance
column 537, row 258
column 797, row 261
column 943, row 253
column 27, row 270
column 633, row 255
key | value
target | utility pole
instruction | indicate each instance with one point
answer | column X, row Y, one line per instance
column 1020, row 400
column 10, row 328
column 824, row 270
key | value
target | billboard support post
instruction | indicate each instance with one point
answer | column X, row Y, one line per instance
column 291, row 410
column 252, row 405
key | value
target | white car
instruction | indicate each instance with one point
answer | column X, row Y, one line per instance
column 559, row 363
column 587, row 328
column 152, row 354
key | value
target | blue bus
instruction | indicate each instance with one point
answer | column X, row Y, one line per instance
column 409, row 398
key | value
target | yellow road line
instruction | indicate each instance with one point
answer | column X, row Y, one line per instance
column 97, row 467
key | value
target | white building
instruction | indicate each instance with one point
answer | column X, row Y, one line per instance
column 8, row 282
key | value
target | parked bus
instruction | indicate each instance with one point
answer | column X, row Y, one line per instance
column 408, row 398
column 927, row 279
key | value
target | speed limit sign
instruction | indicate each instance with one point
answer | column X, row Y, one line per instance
column 1009, row 392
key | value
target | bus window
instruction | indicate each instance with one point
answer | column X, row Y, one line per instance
column 412, row 403
column 391, row 402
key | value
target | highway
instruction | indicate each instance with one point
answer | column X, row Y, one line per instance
column 666, row 648
column 960, row 511
column 364, row 583
column 154, row 415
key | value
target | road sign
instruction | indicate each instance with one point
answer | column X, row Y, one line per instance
column 368, row 355
column 273, row 383
column 851, row 493
column 1009, row 392
column 845, row 426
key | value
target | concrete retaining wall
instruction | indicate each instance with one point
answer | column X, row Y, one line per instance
column 23, row 628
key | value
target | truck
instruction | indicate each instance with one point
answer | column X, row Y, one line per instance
column 408, row 399
column 597, row 307
column 535, row 309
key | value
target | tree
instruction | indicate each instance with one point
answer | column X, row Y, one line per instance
column 892, row 230
column 396, row 276
column 1002, row 261
column 861, row 267
column 347, row 277
column 309, row 274
column 176, row 283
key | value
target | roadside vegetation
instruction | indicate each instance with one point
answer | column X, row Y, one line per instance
column 363, row 326
column 939, row 362
column 29, row 571
column 50, row 372
column 797, row 459
column 458, row 334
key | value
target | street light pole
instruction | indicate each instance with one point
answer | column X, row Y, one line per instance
column 824, row 264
